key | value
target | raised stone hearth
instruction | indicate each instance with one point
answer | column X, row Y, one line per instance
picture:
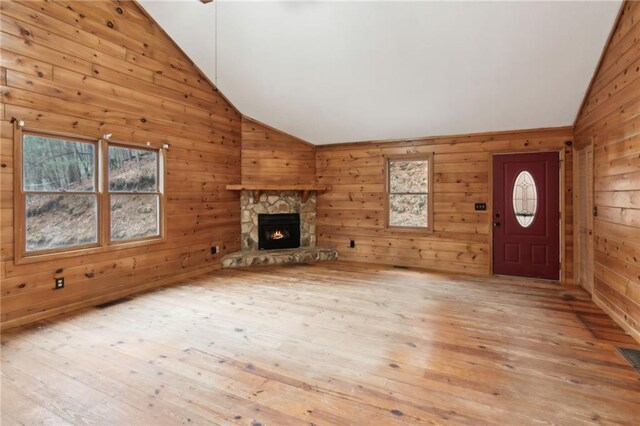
column 276, row 257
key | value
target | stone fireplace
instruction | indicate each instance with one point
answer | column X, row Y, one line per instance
column 276, row 202
column 285, row 212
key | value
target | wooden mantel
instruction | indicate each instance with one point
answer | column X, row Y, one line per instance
column 256, row 188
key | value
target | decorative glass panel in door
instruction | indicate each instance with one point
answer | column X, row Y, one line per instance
column 525, row 199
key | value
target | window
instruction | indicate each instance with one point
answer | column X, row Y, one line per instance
column 75, row 194
column 409, row 182
column 134, row 196
column 61, row 192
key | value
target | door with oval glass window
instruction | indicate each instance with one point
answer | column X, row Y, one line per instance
column 526, row 215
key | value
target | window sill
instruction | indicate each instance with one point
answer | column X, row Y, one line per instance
column 27, row 258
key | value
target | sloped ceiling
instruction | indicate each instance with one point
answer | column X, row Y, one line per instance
column 331, row 72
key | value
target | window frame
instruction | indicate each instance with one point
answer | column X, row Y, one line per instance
column 428, row 157
column 103, row 239
column 107, row 194
column 21, row 195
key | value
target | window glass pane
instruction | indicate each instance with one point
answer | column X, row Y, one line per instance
column 132, row 170
column 525, row 199
column 134, row 216
column 408, row 176
column 51, row 164
column 57, row 221
column 408, row 210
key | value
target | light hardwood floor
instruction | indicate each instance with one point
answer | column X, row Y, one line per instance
column 333, row 343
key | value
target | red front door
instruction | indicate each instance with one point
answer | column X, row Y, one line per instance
column 526, row 215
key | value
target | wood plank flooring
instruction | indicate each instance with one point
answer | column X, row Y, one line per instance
column 331, row 343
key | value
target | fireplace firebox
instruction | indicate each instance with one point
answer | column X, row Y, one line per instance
column 278, row 231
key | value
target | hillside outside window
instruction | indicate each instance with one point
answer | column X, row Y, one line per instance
column 134, row 195
column 409, row 183
column 60, row 187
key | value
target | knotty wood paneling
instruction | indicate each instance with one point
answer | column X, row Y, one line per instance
column 98, row 67
column 270, row 156
column 610, row 121
column 583, row 219
column 461, row 241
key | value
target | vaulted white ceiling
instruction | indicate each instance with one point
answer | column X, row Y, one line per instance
column 333, row 72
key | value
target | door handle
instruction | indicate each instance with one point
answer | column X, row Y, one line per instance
column 496, row 223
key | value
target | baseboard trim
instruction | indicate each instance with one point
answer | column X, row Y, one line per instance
column 614, row 316
column 61, row 310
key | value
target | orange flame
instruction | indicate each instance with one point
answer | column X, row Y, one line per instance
column 277, row 235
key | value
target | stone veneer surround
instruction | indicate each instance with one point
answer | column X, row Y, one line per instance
column 273, row 202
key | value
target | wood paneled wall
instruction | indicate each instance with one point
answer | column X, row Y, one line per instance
column 98, row 67
column 461, row 241
column 610, row 120
column 270, row 156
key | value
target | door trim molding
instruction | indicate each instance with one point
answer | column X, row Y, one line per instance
column 563, row 198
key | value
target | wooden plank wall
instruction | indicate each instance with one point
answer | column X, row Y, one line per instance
column 353, row 210
column 270, row 156
column 610, row 120
column 94, row 67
